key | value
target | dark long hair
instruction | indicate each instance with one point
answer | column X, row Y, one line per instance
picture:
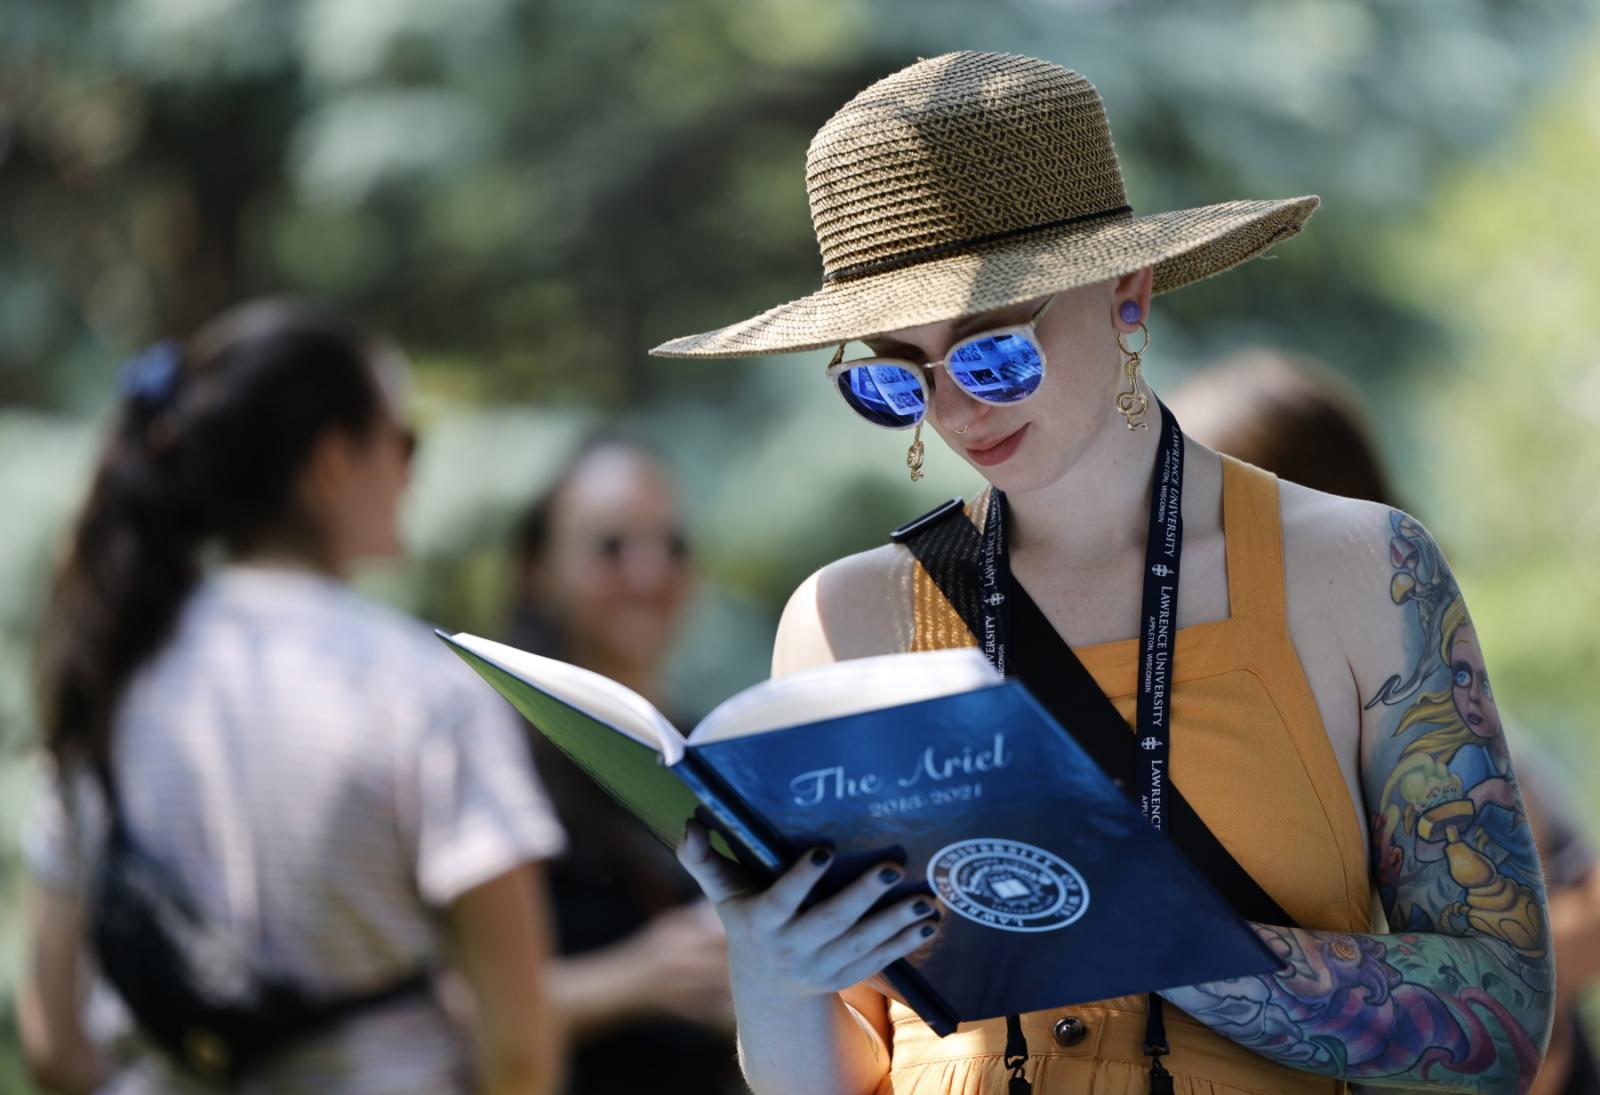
column 206, row 448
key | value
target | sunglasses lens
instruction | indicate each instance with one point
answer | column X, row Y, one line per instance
column 998, row 368
column 886, row 395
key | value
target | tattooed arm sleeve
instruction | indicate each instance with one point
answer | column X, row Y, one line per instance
column 1459, row 997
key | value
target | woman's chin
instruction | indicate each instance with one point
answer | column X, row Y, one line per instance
column 1017, row 475
column 644, row 645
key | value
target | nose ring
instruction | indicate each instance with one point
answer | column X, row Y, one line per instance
column 963, row 429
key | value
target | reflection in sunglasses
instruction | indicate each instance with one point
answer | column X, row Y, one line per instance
column 999, row 366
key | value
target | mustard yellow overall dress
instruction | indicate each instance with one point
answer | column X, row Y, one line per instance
column 1250, row 753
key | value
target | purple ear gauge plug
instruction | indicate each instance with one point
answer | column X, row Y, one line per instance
column 1130, row 311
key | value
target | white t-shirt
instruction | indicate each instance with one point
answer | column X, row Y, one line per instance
column 324, row 777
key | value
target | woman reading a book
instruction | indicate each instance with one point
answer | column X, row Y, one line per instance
column 323, row 793
column 1314, row 688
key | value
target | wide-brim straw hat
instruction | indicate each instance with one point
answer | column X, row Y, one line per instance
column 976, row 181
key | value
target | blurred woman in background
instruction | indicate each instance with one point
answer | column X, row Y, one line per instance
column 327, row 785
column 1300, row 422
column 1289, row 416
column 603, row 579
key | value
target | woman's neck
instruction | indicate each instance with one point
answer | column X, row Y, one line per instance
column 284, row 557
column 1098, row 509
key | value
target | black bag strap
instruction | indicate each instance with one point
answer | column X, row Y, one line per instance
column 290, row 1016
column 116, row 826
column 949, row 550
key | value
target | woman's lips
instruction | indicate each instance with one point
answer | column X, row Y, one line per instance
column 999, row 452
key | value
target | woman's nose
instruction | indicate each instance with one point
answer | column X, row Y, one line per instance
column 952, row 408
column 646, row 570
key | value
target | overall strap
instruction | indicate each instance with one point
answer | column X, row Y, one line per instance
column 945, row 607
column 950, row 561
column 946, row 612
column 1254, row 535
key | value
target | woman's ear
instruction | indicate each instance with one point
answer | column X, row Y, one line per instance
column 1132, row 289
column 328, row 474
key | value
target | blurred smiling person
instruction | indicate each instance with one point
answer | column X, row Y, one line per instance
column 603, row 573
column 278, row 810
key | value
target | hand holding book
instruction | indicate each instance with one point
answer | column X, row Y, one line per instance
column 803, row 950
column 1052, row 887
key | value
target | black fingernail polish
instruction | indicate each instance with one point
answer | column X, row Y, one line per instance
column 922, row 908
column 888, row 876
column 927, row 930
column 821, row 856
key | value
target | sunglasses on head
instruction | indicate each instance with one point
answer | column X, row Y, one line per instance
column 1002, row 365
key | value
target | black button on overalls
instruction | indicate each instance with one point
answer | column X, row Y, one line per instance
column 1069, row 1031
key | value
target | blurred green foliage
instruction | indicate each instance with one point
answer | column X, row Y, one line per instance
column 1508, row 259
column 535, row 193
column 528, row 196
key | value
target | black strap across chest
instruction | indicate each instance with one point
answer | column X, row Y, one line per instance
column 949, row 547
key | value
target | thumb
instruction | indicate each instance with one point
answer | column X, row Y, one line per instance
column 719, row 879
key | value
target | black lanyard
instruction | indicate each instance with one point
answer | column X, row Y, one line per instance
column 1157, row 635
column 1158, row 612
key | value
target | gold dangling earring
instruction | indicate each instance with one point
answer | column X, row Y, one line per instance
column 1133, row 403
column 914, row 454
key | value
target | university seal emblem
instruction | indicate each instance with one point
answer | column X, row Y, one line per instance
column 1008, row 885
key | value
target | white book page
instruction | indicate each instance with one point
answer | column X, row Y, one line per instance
column 846, row 688
column 598, row 695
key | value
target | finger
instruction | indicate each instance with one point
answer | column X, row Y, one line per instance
column 902, row 943
column 784, row 897
column 838, row 914
column 717, row 878
column 874, row 931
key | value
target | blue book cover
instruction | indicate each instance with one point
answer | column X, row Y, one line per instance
column 1054, row 889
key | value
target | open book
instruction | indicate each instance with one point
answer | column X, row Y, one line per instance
column 1055, row 891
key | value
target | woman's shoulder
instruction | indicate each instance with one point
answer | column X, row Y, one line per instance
column 1337, row 555
column 854, row 607
column 322, row 626
column 1312, row 516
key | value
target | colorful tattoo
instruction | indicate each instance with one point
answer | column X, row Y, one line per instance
column 1461, row 997
column 1450, row 799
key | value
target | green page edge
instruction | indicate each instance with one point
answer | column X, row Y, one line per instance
column 629, row 772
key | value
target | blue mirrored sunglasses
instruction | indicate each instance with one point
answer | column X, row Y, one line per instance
column 1002, row 365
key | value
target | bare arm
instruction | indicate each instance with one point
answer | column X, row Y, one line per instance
column 1460, row 997
column 676, row 965
column 790, row 968
column 1575, row 932
column 500, row 935
column 56, row 1049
